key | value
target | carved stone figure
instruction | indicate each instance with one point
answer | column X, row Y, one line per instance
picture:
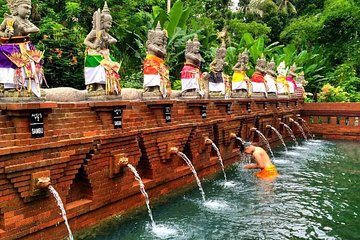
column 241, row 84
column 282, row 84
column 300, row 83
column 156, row 74
column 270, row 79
column 191, row 76
column 290, row 79
column 218, row 81
column 257, row 79
column 21, row 72
column 101, row 69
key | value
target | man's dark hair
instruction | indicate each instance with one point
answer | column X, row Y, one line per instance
column 244, row 145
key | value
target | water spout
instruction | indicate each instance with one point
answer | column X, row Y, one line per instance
column 144, row 193
column 192, row 168
column 291, row 133
column 43, row 183
column 62, row 209
column 307, row 127
column 301, row 129
column 207, row 141
column 220, row 159
column 265, row 140
column 173, row 150
column 279, row 135
column 233, row 135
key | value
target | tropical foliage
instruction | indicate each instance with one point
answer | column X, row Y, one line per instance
column 320, row 36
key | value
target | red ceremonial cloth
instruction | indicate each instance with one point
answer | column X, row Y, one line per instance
column 257, row 77
column 291, row 79
column 189, row 71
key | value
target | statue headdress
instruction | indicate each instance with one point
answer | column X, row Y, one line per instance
column 196, row 39
column 221, row 51
column 271, row 64
column 106, row 9
column 261, row 61
column 244, row 56
column 189, row 45
column 293, row 68
column 281, row 69
column 12, row 4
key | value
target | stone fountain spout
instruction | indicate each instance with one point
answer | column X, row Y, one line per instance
column 233, row 136
column 123, row 161
column 207, row 141
column 173, row 150
column 119, row 164
column 253, row 129
column 43, row 183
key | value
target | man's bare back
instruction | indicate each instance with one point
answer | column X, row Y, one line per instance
column 262, row 160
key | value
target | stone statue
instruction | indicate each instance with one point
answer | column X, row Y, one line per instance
column 156, row 74
column 218, row 81
column 101, row 69
column 241, row 84
column 282, row 84
column 300, row 83
column 290, row 79
column 21, row 72
column 257, row 79
column 270, row 79
column 191, row 76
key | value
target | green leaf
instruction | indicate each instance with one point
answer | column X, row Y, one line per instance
column 184, row 17
column 174, row 18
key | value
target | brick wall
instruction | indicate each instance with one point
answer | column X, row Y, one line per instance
column 80, row 151
column 333, row 120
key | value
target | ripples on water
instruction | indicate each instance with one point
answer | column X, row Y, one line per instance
column 315, row 197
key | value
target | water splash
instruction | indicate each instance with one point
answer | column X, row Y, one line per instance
column 240, row 139
column 220, row 159
column 291, row 133
column 163, row 232
column 280, row 137
column 307, row 128
column 192, row 168
column 142, row 189
column 62, row 209
column 266, row 142
column 301, row 130
column 216, row 205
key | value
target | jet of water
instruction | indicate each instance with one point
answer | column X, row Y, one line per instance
column 291, row 133
column 220, row 159
column 266, row 142
column 62, row 209
column 307, row 128
column 280, row 137
column 240, row 139
column 192, row 168
column 142, row 189
column 301, row 130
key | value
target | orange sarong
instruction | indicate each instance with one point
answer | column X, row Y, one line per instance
column 268, row 172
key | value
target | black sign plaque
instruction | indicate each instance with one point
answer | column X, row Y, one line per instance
column 167, row 113
column 248, row 106
column 37, row 124
column 117, row 117
column 203, row 111
column 228, row 108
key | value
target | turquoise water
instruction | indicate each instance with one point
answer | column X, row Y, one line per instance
column 317, row 196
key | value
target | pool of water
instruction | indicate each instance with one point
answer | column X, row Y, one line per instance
column 317, row 196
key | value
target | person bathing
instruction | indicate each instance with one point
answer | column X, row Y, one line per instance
column 263, row 162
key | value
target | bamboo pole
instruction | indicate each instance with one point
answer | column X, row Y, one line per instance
column 168, row 6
